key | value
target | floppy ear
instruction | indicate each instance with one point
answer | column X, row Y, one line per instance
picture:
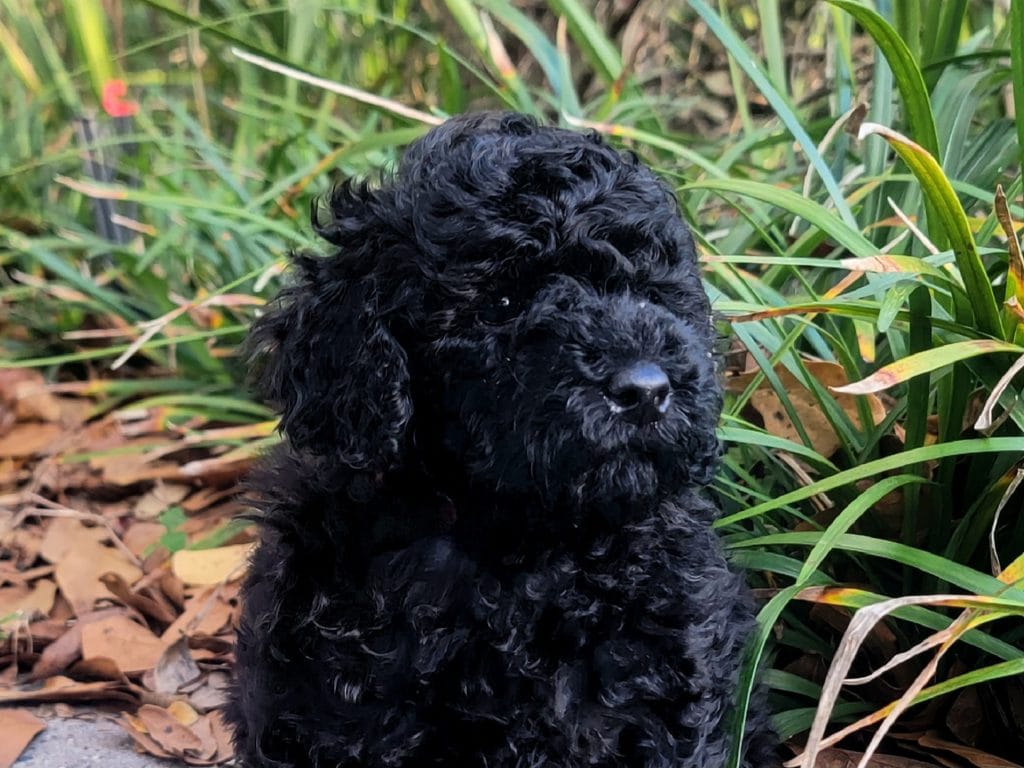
column 325, row 356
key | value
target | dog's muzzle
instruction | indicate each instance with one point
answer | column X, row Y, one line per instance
column 640, row 393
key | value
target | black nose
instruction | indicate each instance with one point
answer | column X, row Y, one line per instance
column 640, row 392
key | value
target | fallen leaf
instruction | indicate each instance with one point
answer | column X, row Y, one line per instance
column 206, row 497
column 175, row 668
column 10, row 472
column 211, row 692
column 22, row 545
column 153, row 604
column 203, row 729
column 974, row 756
column 29, row 439
column 63, row 534
column 818, row 428
column 97, row 668
column 165, row 730
column 25, row 602
column 845, row 758
column 130, row 645
column 33, row 401
column 141, row 536
column 67, row 649
column 206, row 613
column 221, row 732
column 139, row 733
column 17, row 729
column 79, row 572
column 159, row 498
column 183, row 713
column 65, row 689
column 211, row 566
column 11, row 575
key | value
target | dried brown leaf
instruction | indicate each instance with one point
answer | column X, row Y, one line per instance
column 139, row 733
column 131, row 646
column 97, row 668
column 65, row 689
column 33, row 402
column 206, row 613
column 161, row 496
column 141, row 536
column 976, row 757
column 211, row 692
column 203, row 729
column 776, row 421
column 25, row 602
column 29, row 439
column 845, row 758
column 66, row 649
column 221, row 732
column 150, row 602
column 64, row 534
column 172, row 736
column 17, row 729
column 80, row 571
column 206, row 497
column 175, row 668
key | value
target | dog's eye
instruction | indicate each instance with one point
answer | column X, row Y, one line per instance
column 500, row 312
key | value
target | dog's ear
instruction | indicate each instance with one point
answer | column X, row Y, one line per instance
column 325, row 355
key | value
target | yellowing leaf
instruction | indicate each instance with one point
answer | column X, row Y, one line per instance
column 924, row 362
column 211, row 566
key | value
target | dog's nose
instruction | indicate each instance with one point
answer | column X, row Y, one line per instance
column 640, row 392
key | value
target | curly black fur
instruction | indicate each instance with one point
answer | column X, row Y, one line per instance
column 474, row 554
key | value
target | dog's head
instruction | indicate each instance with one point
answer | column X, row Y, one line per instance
column 519, row 302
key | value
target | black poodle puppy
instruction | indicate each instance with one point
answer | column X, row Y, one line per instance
column 484, row 543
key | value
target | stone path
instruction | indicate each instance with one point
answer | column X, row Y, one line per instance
column 80, row 743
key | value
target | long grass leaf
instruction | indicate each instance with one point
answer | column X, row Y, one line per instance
column 745, row 58
column 845, row 519
column 962, row 576
column 844, row 233
column 996, row 445
column 1016, row 24
column 909, row 80
column 937, row 189
column 925, row 362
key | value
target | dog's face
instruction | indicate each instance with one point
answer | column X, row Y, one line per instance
column 528, row 309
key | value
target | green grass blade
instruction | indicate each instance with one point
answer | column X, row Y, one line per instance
column 909, row 80
column 1016, row 23
column 766, row 619
column 748, row 62
column 89, row 24
column 845, row 234
column 939, row 192
column 598, row 49
column 963, row 577
column 870, row 469
column 848, row 517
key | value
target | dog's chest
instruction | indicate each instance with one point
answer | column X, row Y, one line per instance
column 575, row 630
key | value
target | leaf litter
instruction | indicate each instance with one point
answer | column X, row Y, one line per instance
column 120, row 566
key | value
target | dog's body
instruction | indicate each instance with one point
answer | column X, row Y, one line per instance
column 483, row 539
